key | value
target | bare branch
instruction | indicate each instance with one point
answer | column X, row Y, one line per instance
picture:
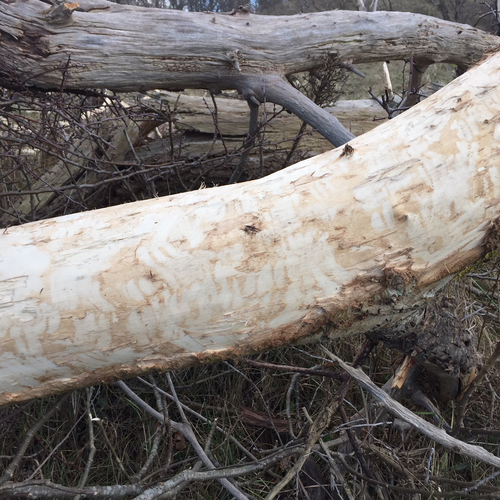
column 14, row 464
column 398, row 410
column 186, row 431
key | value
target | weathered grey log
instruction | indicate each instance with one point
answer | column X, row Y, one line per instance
column 193, row 115
column 122, row 48
column 217, row 273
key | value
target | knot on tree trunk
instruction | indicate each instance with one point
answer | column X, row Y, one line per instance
column 61, row 14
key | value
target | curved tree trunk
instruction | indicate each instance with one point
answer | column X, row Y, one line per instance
column 125, row 48
column 98, row 44
column 345, row 242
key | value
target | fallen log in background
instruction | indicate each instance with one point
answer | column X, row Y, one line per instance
column 217, row 273
column 194, row 116
column 118, row 141
column 126, row 48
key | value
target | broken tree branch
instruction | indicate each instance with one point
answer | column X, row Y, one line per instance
column 105, row 45
column 399, row 411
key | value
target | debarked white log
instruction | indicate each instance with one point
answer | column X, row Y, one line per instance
column 219, row 272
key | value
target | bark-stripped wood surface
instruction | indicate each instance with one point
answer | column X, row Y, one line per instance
column 125, row 48
column 220, row 272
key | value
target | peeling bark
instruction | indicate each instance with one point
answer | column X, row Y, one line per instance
column 438, row 342
column 345, row 242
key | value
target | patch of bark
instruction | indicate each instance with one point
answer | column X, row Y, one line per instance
column 438, row 341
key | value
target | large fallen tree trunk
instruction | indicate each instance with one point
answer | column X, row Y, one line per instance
column 346, row 242
column 122, row 48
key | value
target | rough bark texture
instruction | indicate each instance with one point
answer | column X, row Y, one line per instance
column 345, row 242
column 438, row 342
